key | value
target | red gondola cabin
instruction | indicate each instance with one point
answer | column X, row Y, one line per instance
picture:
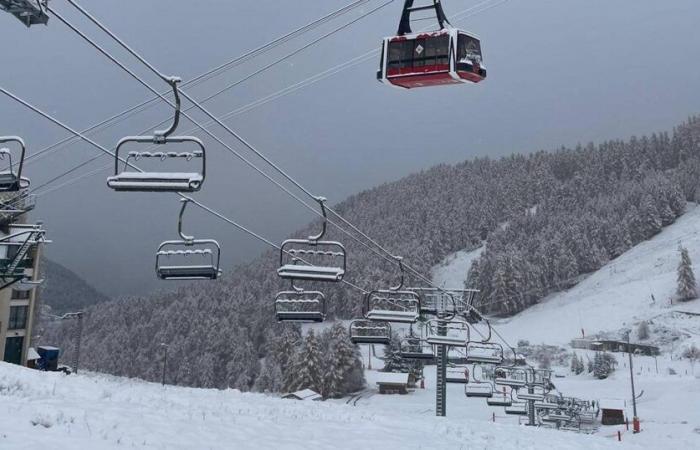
column 448, row 56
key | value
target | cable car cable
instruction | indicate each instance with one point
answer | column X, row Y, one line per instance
column 192, row 200
column 213, row 72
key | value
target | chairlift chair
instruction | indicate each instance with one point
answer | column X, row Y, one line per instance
column 174, row 258
column 457, row 374
column 11, row 179
column 499, row 399
column 511, row 376
column 546, row 405
column 298, row 305
column 370, row 332
column 478, row 390
column 452, row 333
column 313, row 259
column 446, row 56
column 394, row 304
column 126, row 178
column 29, row 12
column 516, row 409
column 530, row 396
column 413, row 347
column 483, row 351
column 558, row 416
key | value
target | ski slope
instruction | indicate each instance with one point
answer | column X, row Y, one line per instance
column 88, row 411
column 616, row 297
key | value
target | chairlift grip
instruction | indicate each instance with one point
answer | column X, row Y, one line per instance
column 159, row 136
column 322, row 203
column 189, row 240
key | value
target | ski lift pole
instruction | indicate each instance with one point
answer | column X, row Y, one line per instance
column 441, row 388
column 635, row 419
column 77, row 336
column 165, row 361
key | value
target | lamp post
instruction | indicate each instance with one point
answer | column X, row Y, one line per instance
column 635, row 419
column 78, row 336
column 165, row 361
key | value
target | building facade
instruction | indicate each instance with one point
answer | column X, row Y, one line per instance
column 20, row 254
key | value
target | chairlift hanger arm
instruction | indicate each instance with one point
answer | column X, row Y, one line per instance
column 408, row 9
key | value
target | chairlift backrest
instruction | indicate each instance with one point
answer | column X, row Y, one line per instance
column 370, row 332
column 453, row 333
column 298, row 305
column 11, row 179
column 392, row 306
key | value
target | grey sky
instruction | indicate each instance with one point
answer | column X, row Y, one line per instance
column 560, row 72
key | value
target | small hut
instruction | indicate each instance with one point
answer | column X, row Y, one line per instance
column 393, row 383
column 612, row 411
column 304, row 395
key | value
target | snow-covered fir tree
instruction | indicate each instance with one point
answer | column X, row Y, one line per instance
column 686, row 289
column 306, row 370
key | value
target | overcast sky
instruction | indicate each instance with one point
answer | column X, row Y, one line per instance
column 561, row 72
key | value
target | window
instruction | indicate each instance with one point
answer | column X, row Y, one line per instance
column 20, row 295
column 468, row 49
column 18, row 318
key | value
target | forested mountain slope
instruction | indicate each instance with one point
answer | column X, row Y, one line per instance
column 64, row 291
column 548, row 217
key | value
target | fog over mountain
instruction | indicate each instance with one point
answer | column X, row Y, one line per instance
column 560, row 72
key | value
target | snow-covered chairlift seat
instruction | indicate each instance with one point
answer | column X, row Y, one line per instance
column 131, row 180
column 499, row 399
column 528, row 396
column 484, row 353
column 516, row 409
column 300, row 306
column 312, row 260
column 478, row 390
column 414, row 347
column 511, row 376
column 370, row 332
column 173, row 260
column 455, row 333
column 457, row 375
column 399, row 306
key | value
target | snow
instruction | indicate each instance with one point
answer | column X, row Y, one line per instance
column 52, row 410
column 391, row 378
column 618, row 295
column 452, row 272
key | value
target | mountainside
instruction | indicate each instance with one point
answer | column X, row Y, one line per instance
column 548, row 218
column 64, row 291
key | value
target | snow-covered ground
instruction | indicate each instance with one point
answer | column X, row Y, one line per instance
column 669, row 406
column 48, row 410
column 452, row 272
